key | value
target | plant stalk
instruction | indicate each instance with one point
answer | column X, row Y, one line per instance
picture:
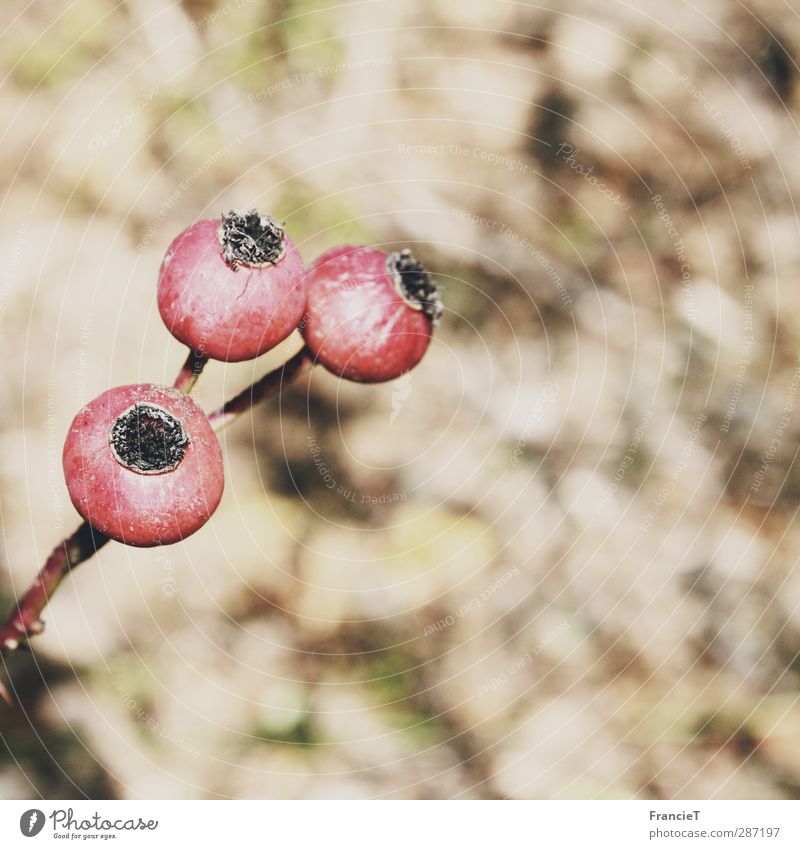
column 25, row 621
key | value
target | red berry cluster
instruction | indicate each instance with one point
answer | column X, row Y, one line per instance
column 142, row 463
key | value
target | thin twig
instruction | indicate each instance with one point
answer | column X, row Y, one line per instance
column 25, row 621
column 191, row 370
column 268, row 385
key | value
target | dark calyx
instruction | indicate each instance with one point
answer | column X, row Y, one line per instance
column 415, row 285
column 251, row 239
column 148, row 440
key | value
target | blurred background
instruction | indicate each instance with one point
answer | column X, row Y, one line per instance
column 557, row 560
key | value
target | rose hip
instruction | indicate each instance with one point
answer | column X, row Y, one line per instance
column 370, row 315
column 143, row 465
column 232, row 289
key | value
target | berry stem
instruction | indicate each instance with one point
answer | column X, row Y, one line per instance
column 269, row 384
column 25, row 622
column 190, row 371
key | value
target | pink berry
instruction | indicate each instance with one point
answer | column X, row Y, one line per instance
column 370, row 315
column 232, row 289
column 143, row 465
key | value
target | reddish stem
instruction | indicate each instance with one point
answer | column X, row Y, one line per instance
column 25, row 620
column 268, row 385
column 191, row 370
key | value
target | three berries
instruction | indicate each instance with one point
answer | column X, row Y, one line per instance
column 142, row 463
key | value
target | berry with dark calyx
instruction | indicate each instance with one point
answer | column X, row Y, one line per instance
column 143, row 465
column 232, row 289
column 370, row 315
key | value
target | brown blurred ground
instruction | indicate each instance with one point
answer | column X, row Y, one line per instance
column 557, row 560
